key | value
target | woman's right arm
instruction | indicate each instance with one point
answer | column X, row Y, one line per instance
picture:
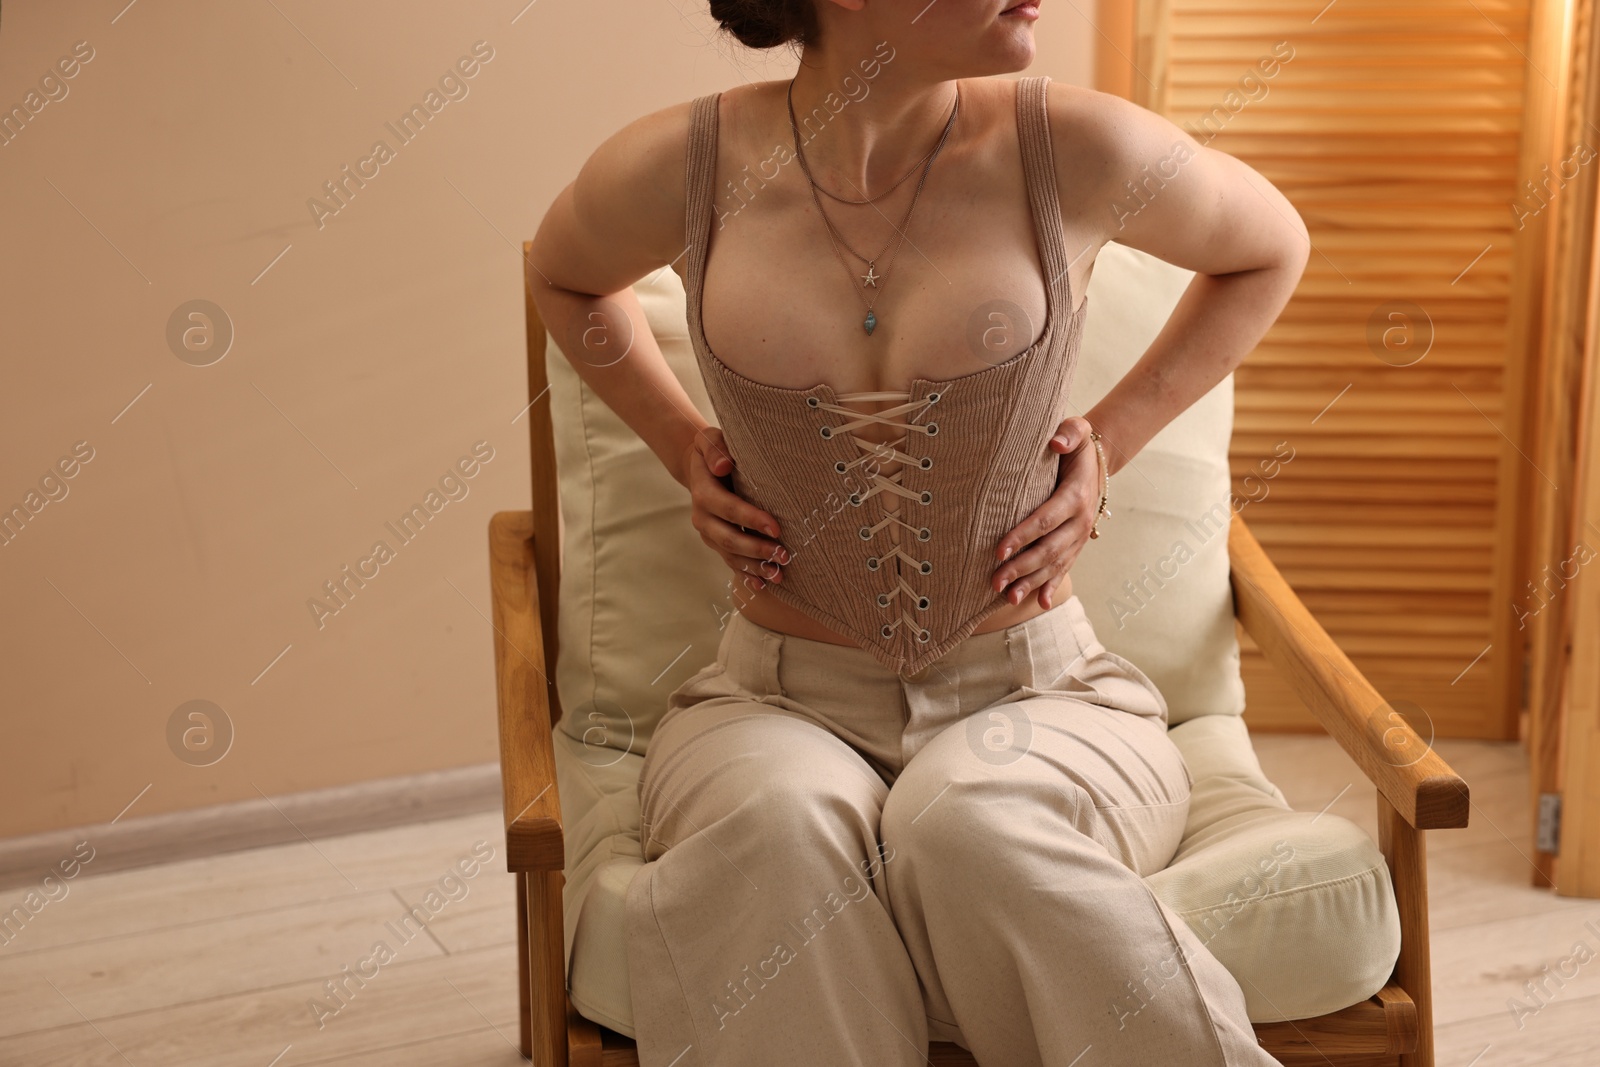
column 621, row 218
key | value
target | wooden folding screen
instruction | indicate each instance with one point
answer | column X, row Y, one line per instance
column 1399, row 373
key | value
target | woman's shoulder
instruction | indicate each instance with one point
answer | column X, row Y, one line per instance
column 661, row 134
column 635, row 179
column 630, row 195
column 644, row 160
column 643, row 150
column 1100, row 141
column 1086, row 122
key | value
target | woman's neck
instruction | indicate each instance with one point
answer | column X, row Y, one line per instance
column 861, row 134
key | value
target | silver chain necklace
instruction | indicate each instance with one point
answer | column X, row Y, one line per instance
column 871, row 278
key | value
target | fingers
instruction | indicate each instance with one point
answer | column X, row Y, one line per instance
column 1043, row 519
column 1047, row 592
column 755, row 573
column 732, row 541
column 707, row 490
column 1044, row 562
column 714, row 451
column 742, row 551
column 735, row 530
column 1071, row 435
column 1075, row 485
column 743, row 588
column 726, row 522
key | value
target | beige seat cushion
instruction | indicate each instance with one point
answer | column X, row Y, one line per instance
column 1310, row 920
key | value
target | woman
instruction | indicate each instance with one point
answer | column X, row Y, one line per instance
column 914, row 797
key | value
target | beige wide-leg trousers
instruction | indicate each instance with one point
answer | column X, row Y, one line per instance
column 844, row 863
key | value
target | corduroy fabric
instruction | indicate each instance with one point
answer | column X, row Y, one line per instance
column 991, row 461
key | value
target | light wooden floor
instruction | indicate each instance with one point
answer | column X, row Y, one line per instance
column 215, row 962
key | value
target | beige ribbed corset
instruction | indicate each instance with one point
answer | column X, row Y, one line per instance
column 907, row 581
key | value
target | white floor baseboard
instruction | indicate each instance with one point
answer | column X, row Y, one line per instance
column 182, row 835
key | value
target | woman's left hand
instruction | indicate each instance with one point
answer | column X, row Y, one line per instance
column 1057, row 529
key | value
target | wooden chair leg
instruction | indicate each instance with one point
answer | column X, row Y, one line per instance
column 1403, row 846
column 539, row 899
column 524, row 995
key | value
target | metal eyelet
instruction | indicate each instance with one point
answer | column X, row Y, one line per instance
column 922, row 603
column 924, row 533
column 926, row 463
column 855, row 500
column 872, row 563
column 887, row 631
column 866, row 533
column 826, row 432
column 926, row 567
column 813, row 401
column 933, row 398
column 924, row 636
column 927, row 496
column 883, row 600
column 931, row 429
column 840, row 467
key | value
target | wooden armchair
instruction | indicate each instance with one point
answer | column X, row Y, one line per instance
column 1417, row 790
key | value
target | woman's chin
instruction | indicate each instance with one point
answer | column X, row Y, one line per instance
column 1010, row 59
column 1015, row 48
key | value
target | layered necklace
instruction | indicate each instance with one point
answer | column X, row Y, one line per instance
column 872, row 277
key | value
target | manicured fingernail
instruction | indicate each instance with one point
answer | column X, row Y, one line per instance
column 1007, row 553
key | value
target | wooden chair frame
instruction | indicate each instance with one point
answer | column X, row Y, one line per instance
column 1417, row 790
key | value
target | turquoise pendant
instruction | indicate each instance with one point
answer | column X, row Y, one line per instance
column 871, row 322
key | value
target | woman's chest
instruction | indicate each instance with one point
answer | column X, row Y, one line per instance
column 784, row 300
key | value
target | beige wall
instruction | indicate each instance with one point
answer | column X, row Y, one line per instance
column 366, row 360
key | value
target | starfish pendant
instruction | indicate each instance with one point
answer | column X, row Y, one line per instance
column 870, row 278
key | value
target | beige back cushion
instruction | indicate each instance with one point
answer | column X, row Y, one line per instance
column 643, row 600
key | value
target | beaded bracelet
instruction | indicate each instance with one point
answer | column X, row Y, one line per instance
column 1105, row 483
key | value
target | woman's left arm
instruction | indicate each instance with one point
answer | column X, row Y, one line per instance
column 1203, row 210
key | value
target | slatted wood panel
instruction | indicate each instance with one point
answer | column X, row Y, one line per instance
column 1397, row 132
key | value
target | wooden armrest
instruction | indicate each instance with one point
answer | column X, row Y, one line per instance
column 1413, row 777
column 527, row 757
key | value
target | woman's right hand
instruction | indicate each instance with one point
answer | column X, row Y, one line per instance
column 727, row 522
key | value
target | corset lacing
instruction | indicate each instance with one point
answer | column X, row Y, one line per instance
column 891, row 483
